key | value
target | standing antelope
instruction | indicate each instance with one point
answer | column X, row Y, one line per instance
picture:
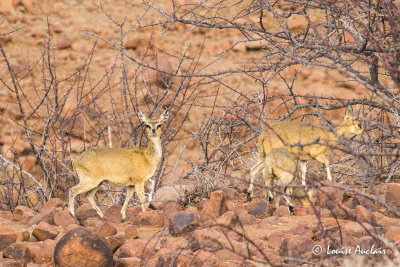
column 279, row 169
column 305, row 141
column 122, row 166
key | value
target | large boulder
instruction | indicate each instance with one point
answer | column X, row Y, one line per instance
column 82, row 247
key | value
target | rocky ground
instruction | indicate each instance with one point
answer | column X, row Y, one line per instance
column 223, row 230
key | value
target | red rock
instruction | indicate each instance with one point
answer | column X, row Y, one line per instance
column 63, row 43
column 211, row 239
column 113, row 213
column 45, row 216
column 40, row 252
column 282, row 211
column 354, row 228
column 6, row 216
column 44, row 231
column 70, row 227
column 170, row 208
column 10, row 263
column 21, row 212
column 115, row 242
column 129, row 261
column 229, row 218
column 296, row 246
column 28, row 5
column 7, row 237
column 64, row 218
column 275, row 240
column 18, row 251
column 267, row 222
column 226, row 254
column 105, row 229
column 158, row 77
column 258, row 207
column 133, row 248
column 81, row 247
column 27, row 162
column 77, row 145
column 245, row 218
column 84, row 212
column 215, row 206
column 328, row 197
column 92, row 222
column 131, row 232
column 362, row 212
column 132, row 213
column 299, row 211
column 151, row 218
column 183, row 222
column 6, row 6
column 52, row 204
column 302, row 230
column 393, row 233
column 393, row 194
column 25, row 235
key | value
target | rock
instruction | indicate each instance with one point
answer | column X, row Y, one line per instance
column 44, row 231
column 40, row 252
column 302, row 230
column 27, row 162
column 82, row 247
column 170, row 208
column 129, row 261
column 105, row 229
column 258, row 207
column 393, row 233
column 25, row 235
column 10, row 262
column 275, row 240
column 364, row 213
column 215, row 206
column 64, row 218
column 113, row 213
column 7, row 237
column 92, row 222
column 229, row 218
column 354, row 228
column 133, row 248
column 267, row 222
column 28, row 5
column 46, row 216
column 342, row 212
column 115, row 242
column 52, row 204
column 84, row 212
column 131, row 232
column 167, row 194
column 296, row 246
column 18, row 251
column 282, row 211
column 156, row 77
column 328, row 197
column 209, row 238
column 150, row 218
column 393, row 194
column 6, row 6
column 21, row 212
column 245, row 218
column 63, row 43
column 299, row 211
column 183, row 222
column 6, row 216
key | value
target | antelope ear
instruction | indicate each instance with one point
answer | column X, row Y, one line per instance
column 165, row 115
column 141, row 116
column 349, row 111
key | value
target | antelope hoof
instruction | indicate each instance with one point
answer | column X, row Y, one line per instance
column 291, row 209
column 249, row 197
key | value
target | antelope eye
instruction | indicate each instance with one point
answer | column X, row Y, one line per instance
column 148, row 127
column 359, row 125
column 158, row 126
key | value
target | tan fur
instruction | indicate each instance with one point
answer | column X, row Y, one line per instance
column 279, row 169
column 122, row 166
column 306, row 142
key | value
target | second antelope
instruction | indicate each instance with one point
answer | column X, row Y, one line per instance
column 305, row 141
column 127, row 167
column 279, row 169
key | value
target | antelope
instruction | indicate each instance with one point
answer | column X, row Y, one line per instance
column 279, row 169
column 305, row 141
column 129, row 167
